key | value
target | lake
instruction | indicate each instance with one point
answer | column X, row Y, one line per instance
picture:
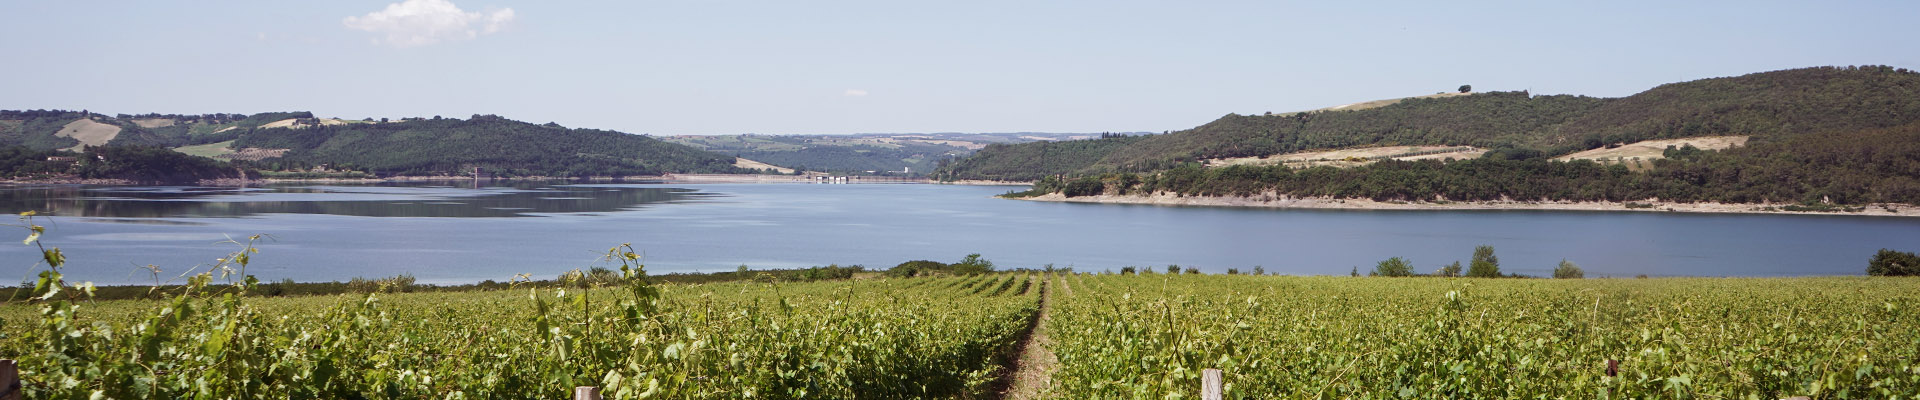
column 468, row 233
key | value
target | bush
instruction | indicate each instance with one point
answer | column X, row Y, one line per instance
column 916, row 268
column 1485, row 264
column 1893, row 263
column 1085, row 187
column 1393, row 267
column 1567, row 270
column 1449, row 270
column 394, row 284
column 1127, row 270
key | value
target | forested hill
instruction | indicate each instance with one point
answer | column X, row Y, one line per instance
column 415, row 146
column 1769, row 106
column 443, row 145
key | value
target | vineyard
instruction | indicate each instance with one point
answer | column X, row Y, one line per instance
column 1149, row 336
column 1115, row 336
column 845, row 339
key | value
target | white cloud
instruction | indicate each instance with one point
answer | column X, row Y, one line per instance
column 856, row 93
column 424, row 22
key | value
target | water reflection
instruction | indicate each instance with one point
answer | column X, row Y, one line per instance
column 122, row 204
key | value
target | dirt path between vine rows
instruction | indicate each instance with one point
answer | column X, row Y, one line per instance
column 1033, row 371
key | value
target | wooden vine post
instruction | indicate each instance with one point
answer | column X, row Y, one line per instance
column 586, row 393
column 1211, row 387
column 10, row 381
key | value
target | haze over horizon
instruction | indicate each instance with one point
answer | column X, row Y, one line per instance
column 853, row 67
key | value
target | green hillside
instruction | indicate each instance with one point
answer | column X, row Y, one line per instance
column 1849, row 167
column 39, row 129
column 499, row 145
column 406, row 147
column 1031, row 161
column 1769, row 106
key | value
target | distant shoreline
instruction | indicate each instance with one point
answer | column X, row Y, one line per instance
column 1274, row 201
column 671, row 178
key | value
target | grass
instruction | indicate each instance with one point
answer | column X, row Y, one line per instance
column 208, row 150
column 203, row 129
column 89, row 133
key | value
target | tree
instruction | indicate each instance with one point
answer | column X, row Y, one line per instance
column 1485, row 264
column 1126, row 270
column 1894, row 263
column 1259, row 270
column 1193, row 271
column 1393, row 267
column 1567, row 270
column 1466, row 88
column 1355, row 273
column 972, row 264
column 1449, row 270
column 1173, row 269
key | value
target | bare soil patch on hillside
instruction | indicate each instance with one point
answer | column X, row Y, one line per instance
column 1387, row 102
column 1653, row 149
column 285, row 123
column 751, row 164
column 88, row 132
column 1355, row 157
column 154, row 122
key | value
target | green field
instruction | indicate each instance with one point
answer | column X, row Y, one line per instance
column 207, row 150
column 1116, row 336
column 1426, row 338
column 849, row 339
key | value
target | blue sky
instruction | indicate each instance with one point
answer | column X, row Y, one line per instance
column 814, row 67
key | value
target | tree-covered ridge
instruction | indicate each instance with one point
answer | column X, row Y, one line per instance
column 135, row 164
column 37, row 128
column 498, row 145
column 150, row 165
column 1843, row 167
column 18, row 162
column 1769, row 106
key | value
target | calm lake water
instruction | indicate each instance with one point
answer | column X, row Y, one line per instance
column 450, row 234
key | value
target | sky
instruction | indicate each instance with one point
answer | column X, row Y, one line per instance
column 834, row 67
